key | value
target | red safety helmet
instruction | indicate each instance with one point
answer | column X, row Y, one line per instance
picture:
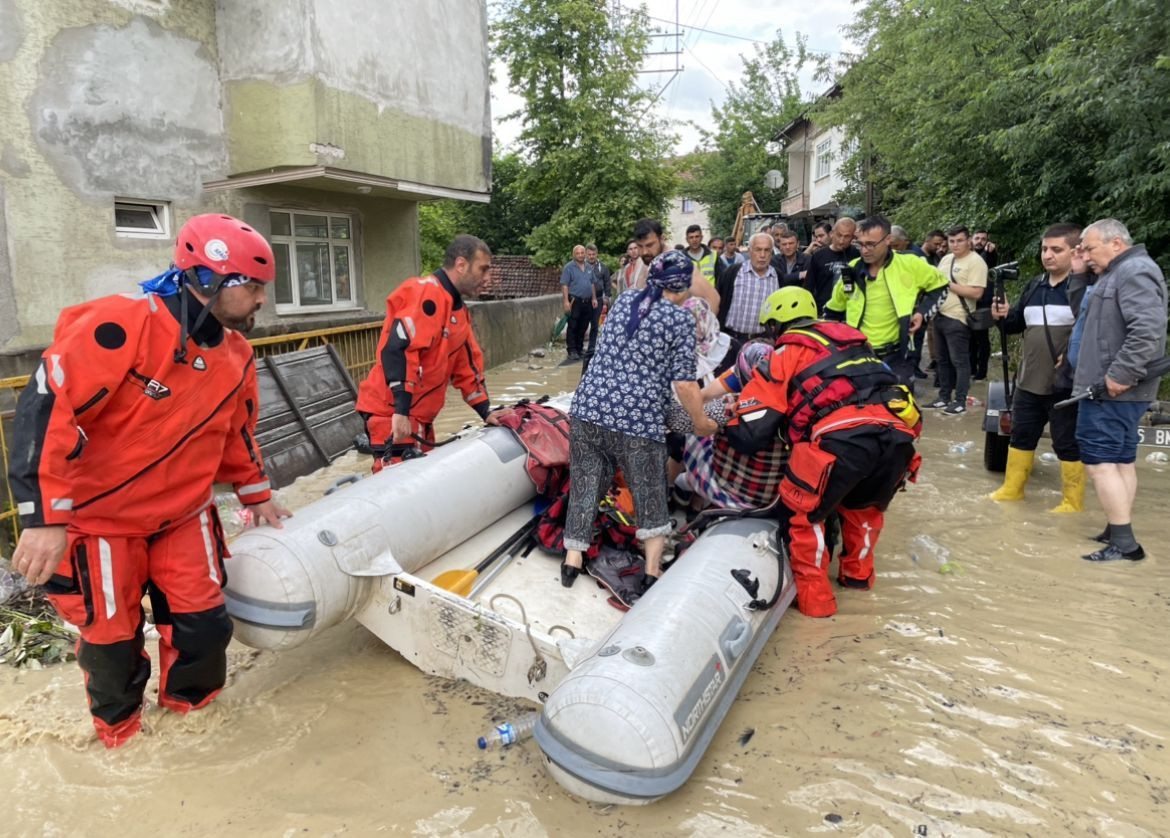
column 226, row 245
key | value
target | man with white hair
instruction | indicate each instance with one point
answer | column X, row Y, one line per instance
column 743, row 289
column 1124, row 331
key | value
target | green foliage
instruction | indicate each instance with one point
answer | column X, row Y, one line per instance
column 504, row 222
column 593, row 159
column 438, row 223
column 510, row 217
column 31, row 634
column 765, row 100
column 1014, row 114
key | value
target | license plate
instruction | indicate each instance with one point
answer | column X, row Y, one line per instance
column 1159, row 437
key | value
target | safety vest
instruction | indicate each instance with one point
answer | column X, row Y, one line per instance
column 907, row 280
column 707, row 265
column 845, row 372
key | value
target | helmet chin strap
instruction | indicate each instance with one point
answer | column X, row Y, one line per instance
column 193, row 277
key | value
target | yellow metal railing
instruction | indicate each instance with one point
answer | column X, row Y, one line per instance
column 356, row 345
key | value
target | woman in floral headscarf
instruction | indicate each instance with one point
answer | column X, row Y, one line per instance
column 711, row 345
column 618, row 410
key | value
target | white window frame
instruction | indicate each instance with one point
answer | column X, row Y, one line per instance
column 824, row 159
column 160, row 214
column 688, row 206
column 291, row 241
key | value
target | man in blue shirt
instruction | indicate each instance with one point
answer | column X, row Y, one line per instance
column 579, row 297
column 601, row 281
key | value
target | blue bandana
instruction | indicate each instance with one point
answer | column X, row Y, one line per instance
column 168, row 283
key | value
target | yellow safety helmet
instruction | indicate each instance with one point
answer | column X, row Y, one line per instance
column 788, row 304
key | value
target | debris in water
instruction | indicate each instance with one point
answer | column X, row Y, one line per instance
column 538, row 352
column 833, row 817
column 747, row 735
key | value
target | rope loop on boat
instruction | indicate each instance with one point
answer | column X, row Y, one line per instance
column 539, row 667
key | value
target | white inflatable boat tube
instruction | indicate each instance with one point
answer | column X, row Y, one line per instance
column 630, row 722
column 285, row 586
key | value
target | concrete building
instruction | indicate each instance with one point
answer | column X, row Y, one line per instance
column 815, row 155
column 323, row 123
column 685, row 211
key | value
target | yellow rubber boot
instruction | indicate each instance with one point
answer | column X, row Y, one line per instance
column 1019, row 466
column 1072, row 479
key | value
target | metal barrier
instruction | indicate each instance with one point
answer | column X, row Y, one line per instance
column 357, row 346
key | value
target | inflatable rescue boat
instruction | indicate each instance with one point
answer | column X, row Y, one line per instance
column 630, row 700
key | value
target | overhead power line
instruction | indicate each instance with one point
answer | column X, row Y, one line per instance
column 735, row 37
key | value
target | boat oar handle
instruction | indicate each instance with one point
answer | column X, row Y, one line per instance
column 515, row 538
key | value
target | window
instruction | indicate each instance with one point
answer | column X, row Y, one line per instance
column 314, row 261
column 688, row 206
column 824, row 158
column 136, row 219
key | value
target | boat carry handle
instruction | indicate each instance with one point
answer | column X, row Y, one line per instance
column 734, row 639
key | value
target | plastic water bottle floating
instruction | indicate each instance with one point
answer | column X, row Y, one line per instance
column 508, row 733
column 961, row 447
column 923, row 546
column 1158, row 457
column 1048, row 457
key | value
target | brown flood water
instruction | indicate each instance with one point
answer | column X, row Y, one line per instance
column 1023, row 693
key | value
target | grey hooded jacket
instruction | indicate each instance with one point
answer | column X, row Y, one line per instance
column 1125, row 326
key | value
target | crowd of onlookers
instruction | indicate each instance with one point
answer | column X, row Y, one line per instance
column 922, row 308
column 775, row 255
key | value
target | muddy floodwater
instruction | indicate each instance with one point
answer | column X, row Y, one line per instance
column 1002, row 687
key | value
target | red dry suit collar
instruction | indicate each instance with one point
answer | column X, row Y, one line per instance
column 450, row 288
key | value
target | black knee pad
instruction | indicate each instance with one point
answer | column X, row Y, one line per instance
column 116, row 676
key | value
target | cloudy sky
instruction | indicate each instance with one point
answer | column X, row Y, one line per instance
column 711, row 59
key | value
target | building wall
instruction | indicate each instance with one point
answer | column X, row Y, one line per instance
column 807, row 191
column 395, row 88
column 675, row 225
column 824, row 189
column 151, row 99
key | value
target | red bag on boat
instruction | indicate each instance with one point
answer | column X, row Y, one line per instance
column 611, row 527
column 544, row 433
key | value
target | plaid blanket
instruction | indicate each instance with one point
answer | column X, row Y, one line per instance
column 729, row 479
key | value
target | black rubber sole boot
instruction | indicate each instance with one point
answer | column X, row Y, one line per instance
column 1110, row 553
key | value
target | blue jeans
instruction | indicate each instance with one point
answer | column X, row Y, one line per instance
column 1107, row 430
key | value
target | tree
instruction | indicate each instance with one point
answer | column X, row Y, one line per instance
column 438, row 223
column 504, row 222
column 593, row 153
column 1014, row 114
column 741, row 150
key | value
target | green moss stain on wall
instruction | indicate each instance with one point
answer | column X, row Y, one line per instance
column 272, row 126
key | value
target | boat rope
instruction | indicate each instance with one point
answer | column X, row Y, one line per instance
column 539, row 667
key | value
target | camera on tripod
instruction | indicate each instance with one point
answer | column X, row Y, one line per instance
column 996, row 277
column 1008, row 272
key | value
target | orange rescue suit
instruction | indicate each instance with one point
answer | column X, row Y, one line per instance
column 427, row 343
column 851, row 454
column 120, row 442
column 117, row 438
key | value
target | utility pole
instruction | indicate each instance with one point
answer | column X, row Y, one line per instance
column 665, row 52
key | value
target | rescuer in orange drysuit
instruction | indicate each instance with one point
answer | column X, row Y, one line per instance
column 427, row 343
column 140, row 403
column 852, row 429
